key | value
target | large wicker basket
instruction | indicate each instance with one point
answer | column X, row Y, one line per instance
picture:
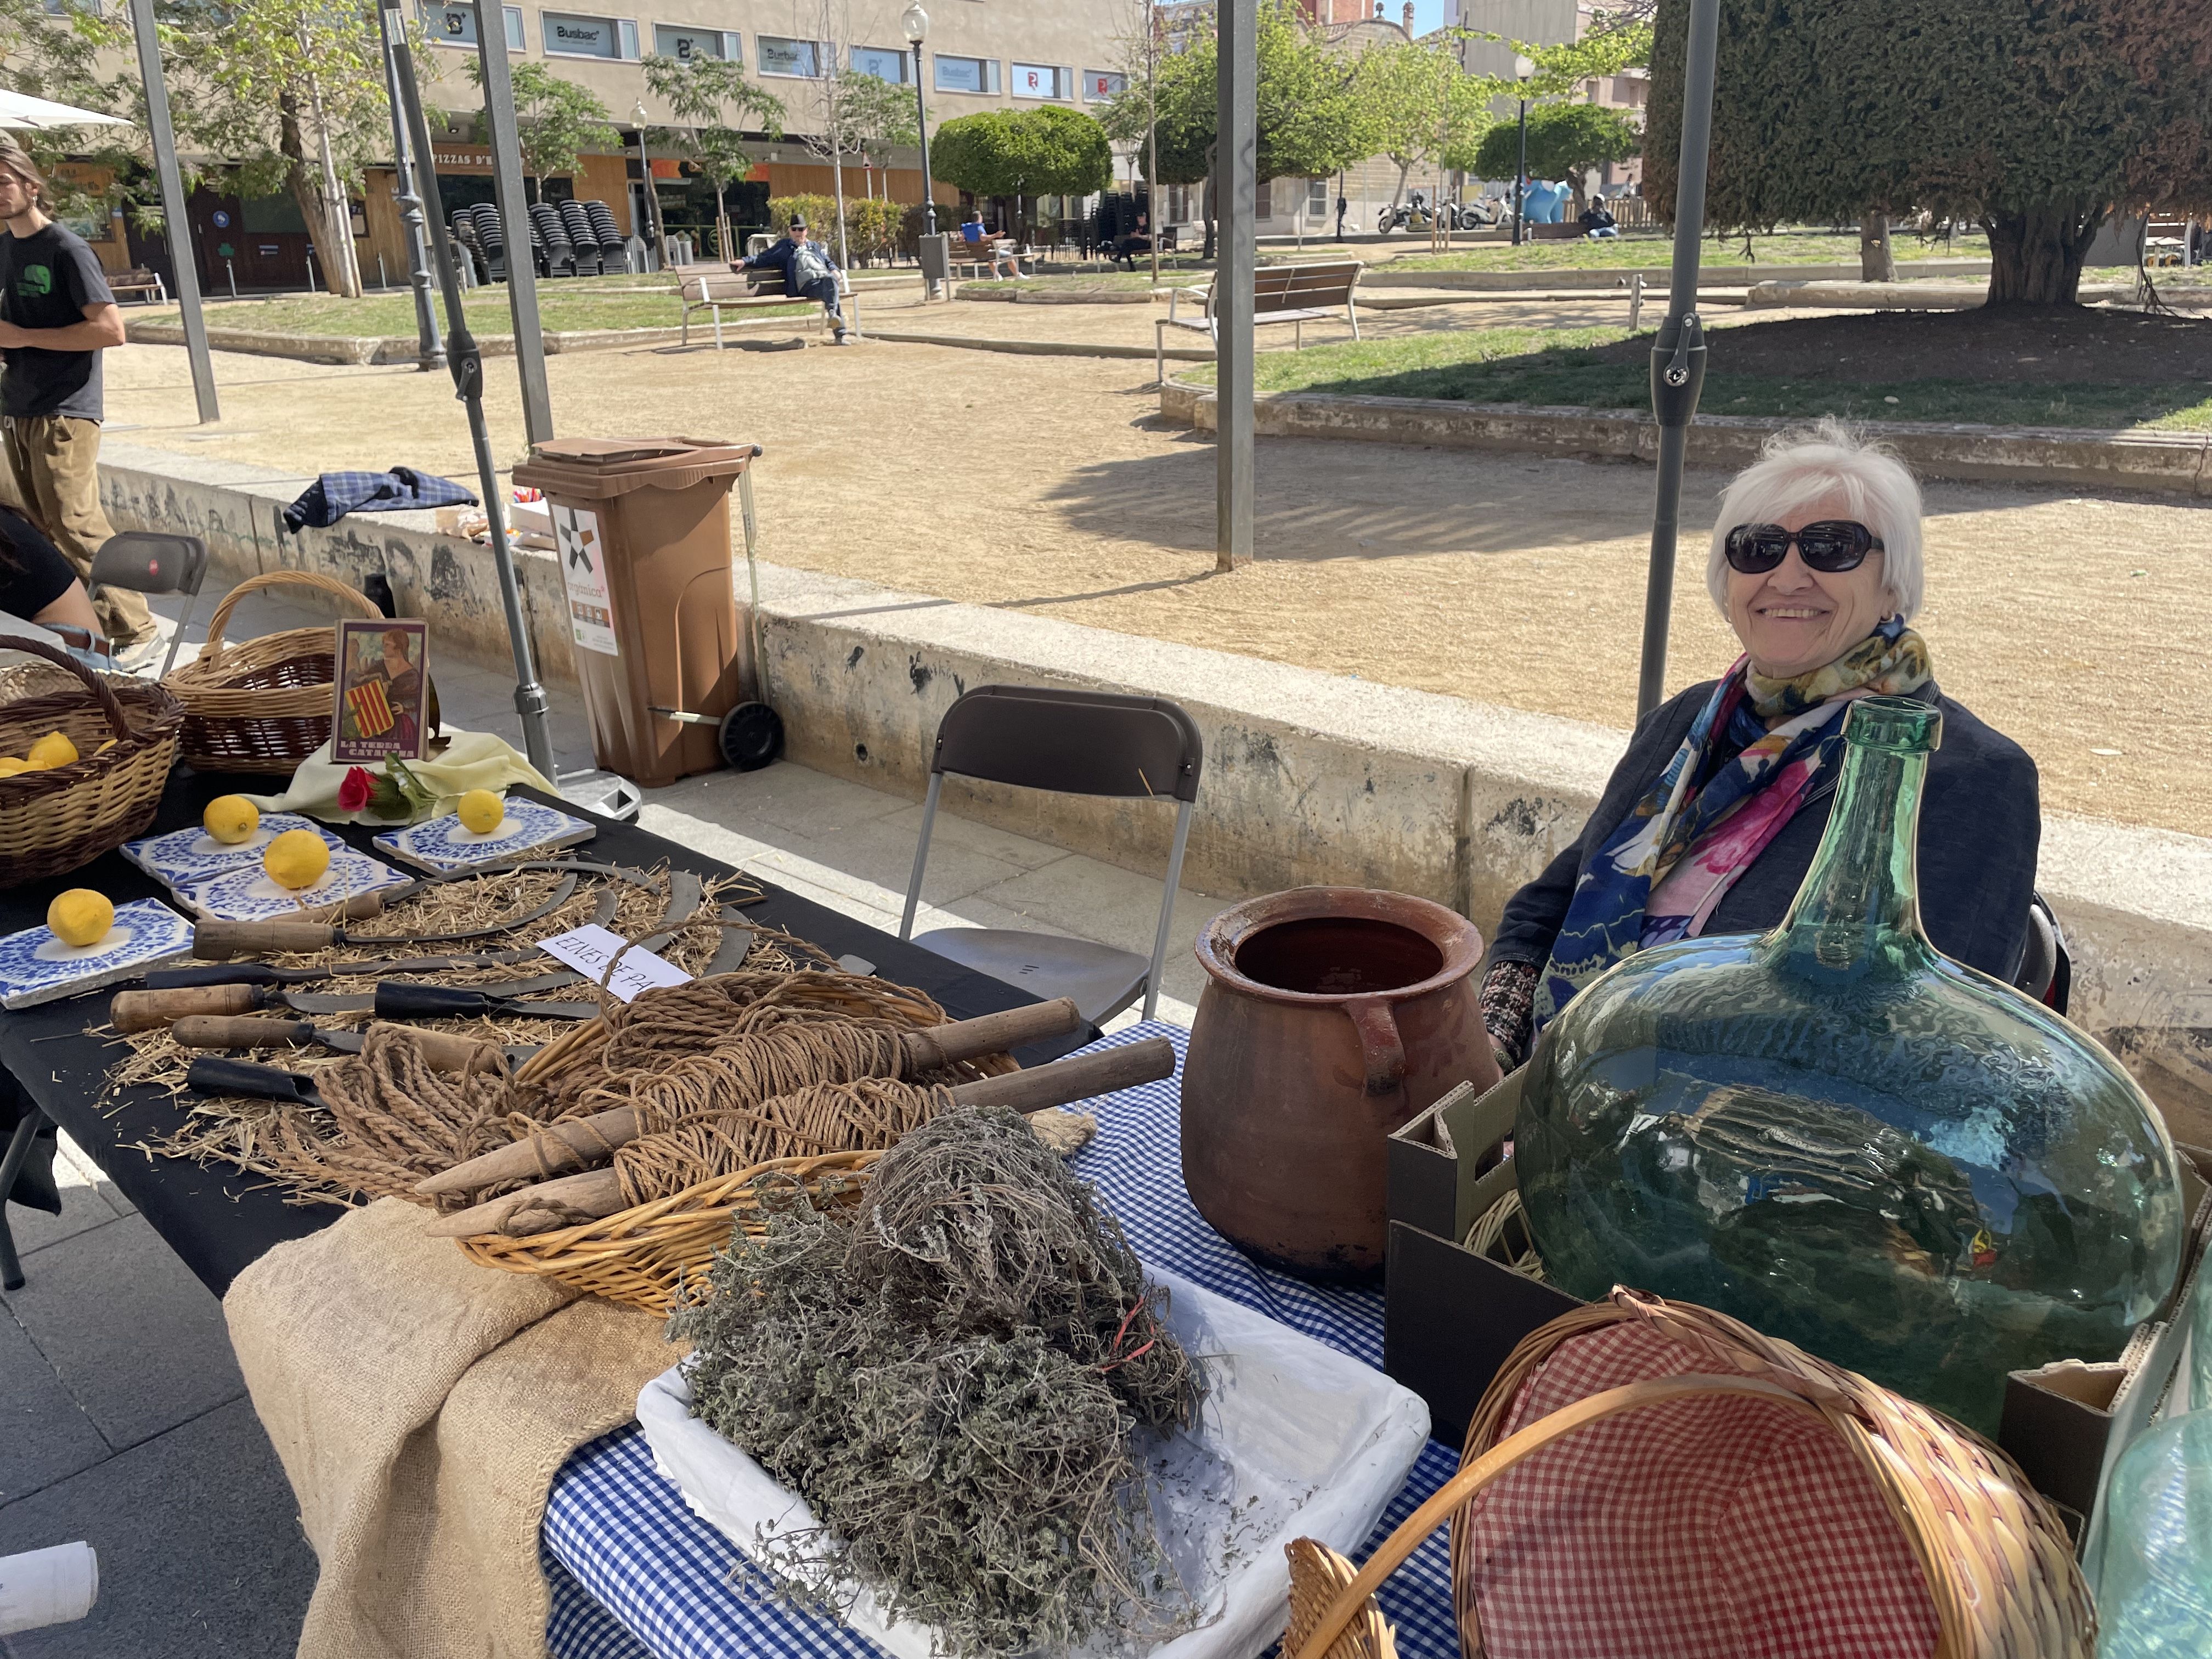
column 55, row 820
column 267, row 705
column 1651, row 1477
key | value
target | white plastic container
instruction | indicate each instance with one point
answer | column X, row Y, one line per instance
column 47, row 1587
column 1321, row 1442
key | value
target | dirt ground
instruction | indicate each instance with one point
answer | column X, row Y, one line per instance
column 1049, row 484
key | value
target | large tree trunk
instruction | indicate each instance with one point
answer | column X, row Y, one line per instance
column 2035, row 257
column 1877, row 259
column 301, row 178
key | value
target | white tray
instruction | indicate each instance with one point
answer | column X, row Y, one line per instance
column 35, row 967
column 246, row 894
column 185, row 858
column 444, row 844
column 1321, row 1442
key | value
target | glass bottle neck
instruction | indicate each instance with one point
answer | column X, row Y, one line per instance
column 1858, row 907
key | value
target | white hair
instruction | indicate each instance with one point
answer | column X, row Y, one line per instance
column 1828, row 461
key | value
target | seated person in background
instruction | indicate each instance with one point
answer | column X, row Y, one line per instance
column 1596, row 222
column 1138, row 241
column 37, row 584
column 809, row 271
column 1712, row 819
column 981, row 240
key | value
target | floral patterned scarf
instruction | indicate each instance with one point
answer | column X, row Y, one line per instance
column 1727, row 793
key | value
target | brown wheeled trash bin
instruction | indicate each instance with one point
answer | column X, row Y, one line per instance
column 641, row 529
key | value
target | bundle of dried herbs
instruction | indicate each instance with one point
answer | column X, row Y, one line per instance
column 952, row 1379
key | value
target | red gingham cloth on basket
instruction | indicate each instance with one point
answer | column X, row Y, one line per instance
column 1720, row 1528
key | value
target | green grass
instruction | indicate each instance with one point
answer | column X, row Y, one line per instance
column 1648, row 248
column 394, row 313
column 1556, row 368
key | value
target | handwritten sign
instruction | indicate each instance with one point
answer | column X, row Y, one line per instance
column 590, row 948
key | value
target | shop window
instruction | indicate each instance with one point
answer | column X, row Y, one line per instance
column 567, row 35
column 800, row 58
column 684, row 43
column 883, row 64
column 1040, row 81
column 1103, row 86
column 966, row 73
column 456, row 26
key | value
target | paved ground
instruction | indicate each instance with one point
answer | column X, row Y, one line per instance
column 122, row 1417
column 1049, row 485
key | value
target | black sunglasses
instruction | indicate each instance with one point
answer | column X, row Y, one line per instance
column 1833, row 546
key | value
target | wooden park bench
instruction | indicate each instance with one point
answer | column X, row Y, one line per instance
column 1296, row 295
column 146, row 285
column 734, row 290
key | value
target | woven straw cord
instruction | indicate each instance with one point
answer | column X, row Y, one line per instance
column 863, row 1116
column 396, row 1121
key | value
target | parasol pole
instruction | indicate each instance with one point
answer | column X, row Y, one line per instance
column 1678, row 354
column 466, row 364
column 182, row 256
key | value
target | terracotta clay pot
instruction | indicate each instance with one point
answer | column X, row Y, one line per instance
column 1330, row 1016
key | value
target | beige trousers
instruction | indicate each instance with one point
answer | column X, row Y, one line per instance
column 55, row 459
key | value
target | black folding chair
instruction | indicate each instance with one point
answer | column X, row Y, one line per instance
column 2046, row 969
column 1074, row 742
column 154, row 562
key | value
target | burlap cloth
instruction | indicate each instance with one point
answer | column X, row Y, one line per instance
column 422, row 1405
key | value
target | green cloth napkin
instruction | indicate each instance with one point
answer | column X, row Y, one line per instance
column 472, row 760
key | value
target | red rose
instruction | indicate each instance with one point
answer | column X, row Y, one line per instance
column 356, row 789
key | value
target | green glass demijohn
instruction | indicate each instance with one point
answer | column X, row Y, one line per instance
column 1846, row 1140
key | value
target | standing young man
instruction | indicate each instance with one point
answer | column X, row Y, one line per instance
column 56, row 316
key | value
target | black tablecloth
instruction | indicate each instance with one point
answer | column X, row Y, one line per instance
column 218, row 1222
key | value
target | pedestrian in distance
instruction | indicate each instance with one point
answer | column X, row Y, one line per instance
column 56, row 316
column 809, row 271
column 1341, row 206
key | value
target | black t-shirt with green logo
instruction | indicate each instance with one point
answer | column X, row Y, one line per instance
column 46, row 280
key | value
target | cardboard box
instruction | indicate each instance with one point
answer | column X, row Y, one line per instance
column 1451, row 1316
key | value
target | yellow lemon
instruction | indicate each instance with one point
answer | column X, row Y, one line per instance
column 481, row 811
column 53, row 749
column 232, row 818
column 296, row 858
column 11, row 764
column 80, row 916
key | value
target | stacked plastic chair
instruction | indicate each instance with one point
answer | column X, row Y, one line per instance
column 491, row 239
column 582, row 240
column 550, row 237
column 614, row 255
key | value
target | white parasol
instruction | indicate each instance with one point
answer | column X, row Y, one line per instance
column 19, row 109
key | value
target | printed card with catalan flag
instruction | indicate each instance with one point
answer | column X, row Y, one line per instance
column 383, row 676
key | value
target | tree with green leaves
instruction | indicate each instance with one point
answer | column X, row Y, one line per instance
column 1045, row 151
column 712, row 101
column 1422, row 106
column 880, row 116
column 555, row 121
column 2035, row 120
column 1567, row 139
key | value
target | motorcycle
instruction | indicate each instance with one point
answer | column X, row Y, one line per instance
column 1412, row 214
column 1477, row 215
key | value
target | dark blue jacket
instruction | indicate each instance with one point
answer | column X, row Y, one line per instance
column 778, row 256
column 1980, row 823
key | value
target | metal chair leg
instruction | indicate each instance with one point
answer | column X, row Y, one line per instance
column 11, row 1165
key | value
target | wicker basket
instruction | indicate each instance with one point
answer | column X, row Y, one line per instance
column 1727, row 1493
column 267, row 705
column 641, row 1256
column 57, row 819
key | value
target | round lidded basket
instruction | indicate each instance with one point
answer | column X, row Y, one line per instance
column 1651, row 1477
column 265, row 706
column 55, row 820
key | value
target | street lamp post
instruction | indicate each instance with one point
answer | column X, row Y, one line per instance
column 916, row 21
column 1523, row 67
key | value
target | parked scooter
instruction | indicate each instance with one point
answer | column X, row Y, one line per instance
column 1412, row 214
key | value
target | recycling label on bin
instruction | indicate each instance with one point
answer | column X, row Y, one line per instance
column 584, row 573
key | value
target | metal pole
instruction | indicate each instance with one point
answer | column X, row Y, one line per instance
column 1237, row 73
column 507, row 191
column 172, row 208
column 1678, row 352
column 466, row 366
column 430, row 350
column 1521, row 177
column 921, row 127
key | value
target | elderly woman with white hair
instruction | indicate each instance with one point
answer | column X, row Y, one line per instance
column 1712, row 819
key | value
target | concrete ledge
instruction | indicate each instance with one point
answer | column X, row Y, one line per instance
column 1655, row 277
column 1015, row 294
column 355, row 348
column 1041, row 348
column 1903, row 295
column 2168, row 463
column 1307, row 777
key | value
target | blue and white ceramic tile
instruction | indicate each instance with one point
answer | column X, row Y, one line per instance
column 185, row 858
column 444, row 844
column 248, row 894
column 36, row 967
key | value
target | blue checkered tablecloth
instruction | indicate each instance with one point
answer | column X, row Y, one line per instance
column 635, row 1575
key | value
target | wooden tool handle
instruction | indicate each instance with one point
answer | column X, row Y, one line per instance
column 219, row 941
column 594, row 1193
column 450, row 1051
column 237, row 1031
column 579, row 1143
column 143, row 1011
column 1065, row 1081
column 967, row 1039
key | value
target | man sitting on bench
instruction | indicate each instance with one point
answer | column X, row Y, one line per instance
column 973, row 233
column 1138, row 241
column 809, row 271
